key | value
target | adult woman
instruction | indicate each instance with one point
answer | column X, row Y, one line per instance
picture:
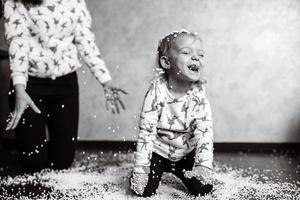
column 45, row 38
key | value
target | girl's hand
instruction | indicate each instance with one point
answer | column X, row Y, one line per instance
column 23, row 101
column 138, row 182
column 203, row 174
column 112, row 98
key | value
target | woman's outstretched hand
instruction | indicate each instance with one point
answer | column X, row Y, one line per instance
column 22, row 102
column 112, row 98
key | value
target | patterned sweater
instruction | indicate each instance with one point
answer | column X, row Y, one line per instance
column 173, row 127
column 44, row 41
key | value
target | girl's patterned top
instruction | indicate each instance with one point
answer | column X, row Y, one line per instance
column 173, row 127
column 44, row 41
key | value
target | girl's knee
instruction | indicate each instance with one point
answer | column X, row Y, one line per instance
column 201, row 191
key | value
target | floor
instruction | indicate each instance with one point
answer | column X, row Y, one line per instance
column 99, row 174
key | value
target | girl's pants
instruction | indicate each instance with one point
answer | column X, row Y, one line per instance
column 160, row 165
column 58, row 101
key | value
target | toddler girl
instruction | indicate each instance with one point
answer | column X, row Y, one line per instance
column 176, row 133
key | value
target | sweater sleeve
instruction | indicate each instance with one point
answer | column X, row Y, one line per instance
column 85, row 42
column 17, row 37
column 147, row 132
column 204, row 135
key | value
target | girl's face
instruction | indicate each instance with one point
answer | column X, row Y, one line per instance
column 186, row 58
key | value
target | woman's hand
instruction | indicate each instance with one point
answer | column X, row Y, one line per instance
column 22, row 102
column 203, row 174
column 138, row 182
column 112, row 98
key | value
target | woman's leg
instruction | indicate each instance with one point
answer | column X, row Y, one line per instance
column 62, row 121
column 194, row 186
column 31, row 135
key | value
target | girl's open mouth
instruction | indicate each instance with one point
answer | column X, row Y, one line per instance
column 194, row 67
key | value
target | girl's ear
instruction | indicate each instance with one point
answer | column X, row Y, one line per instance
column 165, row 63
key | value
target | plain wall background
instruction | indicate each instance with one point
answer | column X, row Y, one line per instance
column 252, row 64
